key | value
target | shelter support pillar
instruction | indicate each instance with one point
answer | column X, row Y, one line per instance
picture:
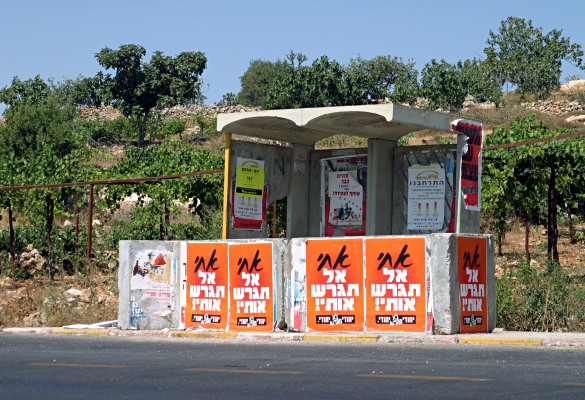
column 226, row 186
column 466, row 221
column 379, row 190
column 297, row 210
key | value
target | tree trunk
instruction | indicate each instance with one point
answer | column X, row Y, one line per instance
column 162, row 226
column 549, row 216
column 11, row 228
column 553, row 215
column 571, row 236
column 167, row 221
column 50, row 255
column 527, row 238
column 77, row 233
column 499, row 244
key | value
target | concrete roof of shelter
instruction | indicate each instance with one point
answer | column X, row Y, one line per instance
column 309, row 125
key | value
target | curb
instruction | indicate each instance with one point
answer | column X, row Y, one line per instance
column 311, row 337
column 205, row 335
column 315, row 337
column 80, row 332
column 510, row 342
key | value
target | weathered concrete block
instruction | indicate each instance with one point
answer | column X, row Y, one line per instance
column 147, row 279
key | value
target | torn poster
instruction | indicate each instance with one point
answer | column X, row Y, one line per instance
column 152, row 273
column 470, row 162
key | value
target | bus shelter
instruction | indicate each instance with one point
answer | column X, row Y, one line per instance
column 383, row 238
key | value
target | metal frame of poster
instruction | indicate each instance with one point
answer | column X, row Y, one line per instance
column 207, row 285
column 470, row 168
column 345, row 207
column 472, row 271
column 335, row 282
column 396, row 285
column 252, row 279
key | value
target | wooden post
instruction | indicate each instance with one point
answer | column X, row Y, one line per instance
column 226, row 185
column 90, row 225
column 274, row 219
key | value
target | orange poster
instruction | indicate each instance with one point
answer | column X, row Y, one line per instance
column 395, row 285
column 251, row 287
column 207, row 285
column 335, row 276
column 471, row 259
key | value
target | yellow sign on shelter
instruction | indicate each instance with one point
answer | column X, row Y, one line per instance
column 249, row 178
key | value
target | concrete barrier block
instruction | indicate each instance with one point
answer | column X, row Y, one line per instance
column 445, row 281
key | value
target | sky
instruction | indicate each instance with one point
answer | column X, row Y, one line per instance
column 57, row 39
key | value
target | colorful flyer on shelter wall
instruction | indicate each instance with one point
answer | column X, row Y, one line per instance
column 207, row 285
column 249, row 193
column 251, row 216
column 335, row 276
column 249, row 177
column 343, row 195
column 426, row 197
column 470, row 162
column 152, row 273
column 251, row 287
column 472, row 259
column 395, row 285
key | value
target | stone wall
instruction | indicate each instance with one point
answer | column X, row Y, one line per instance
column 180, row 111
column 558, row 108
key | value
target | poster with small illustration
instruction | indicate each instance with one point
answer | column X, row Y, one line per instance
column 152, row 273
column 334, row 278
column 251, row 277
column 207, row 285
column 472, row 263
column 343, row 195
column 395, row 284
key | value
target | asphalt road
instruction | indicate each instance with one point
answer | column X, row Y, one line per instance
column 86, row 367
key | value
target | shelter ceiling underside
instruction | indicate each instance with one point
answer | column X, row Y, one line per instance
column 307, row 126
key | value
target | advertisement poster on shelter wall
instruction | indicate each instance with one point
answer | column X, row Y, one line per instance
column 472, row 259
column 249, row 195
column 251, row 276
column 395, row 285
column 335, row 276
column 207, row 286
column 426, row 197
column 152, row 273
column 470, row 162
column 343, row 195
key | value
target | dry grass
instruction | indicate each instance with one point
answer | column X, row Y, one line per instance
column 40, row 302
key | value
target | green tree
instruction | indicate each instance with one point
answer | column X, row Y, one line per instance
column 137, row 87
column 447, row 85
column 37, row 116
column 397, row 80
column 524, row 56
column 532, row 180
column 155, row 208
column 259, row 75
column 324, row 83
